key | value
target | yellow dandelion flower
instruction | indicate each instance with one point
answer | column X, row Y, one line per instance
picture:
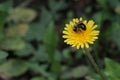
column 83, row 36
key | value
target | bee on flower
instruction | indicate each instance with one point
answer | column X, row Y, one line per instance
column 80, row 33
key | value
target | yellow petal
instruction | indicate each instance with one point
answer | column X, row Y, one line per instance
column 80, row 19
column 95, row 26
column 64, row 36
column 90, row 24
column 82, row 45
column 66, row 25
column 86, row 44
column 78, row 46
column 65, row 32
column 71, row 23
column 90, row 42
column 76, row 20
column 85, row 22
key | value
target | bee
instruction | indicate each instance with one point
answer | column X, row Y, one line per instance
column 78, row 26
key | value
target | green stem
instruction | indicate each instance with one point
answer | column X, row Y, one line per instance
column 94, row 63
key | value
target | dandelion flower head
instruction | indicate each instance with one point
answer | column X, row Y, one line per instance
column 81, row 38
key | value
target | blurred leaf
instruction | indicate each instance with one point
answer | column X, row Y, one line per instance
column 93, row 75
column 114, row 3
column 115, row 33
column 6, row 6
column 41, row 69
column 107, row 34
column 103, row 3
column 41, row 54
column 22, row 15
column 17, row 30
column 58, row 56
column 88, row 9
column 79, row 54
column 1, row 36
column 112, row 69
column 12, row 44
column 37, row 30
column 3, row 54
column 22, row 29
column 56, row 67
column 51, row 40
column 117, row 9
column 3, row 16
column 13, row 68
column 77, row 72
column 57, row 5
column 25, row 51
column 38, row 78
column 70, row 16
column 100, row 16
column 45, row 18
column 66, row 54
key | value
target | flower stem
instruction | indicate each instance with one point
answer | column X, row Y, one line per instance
column 94, row 63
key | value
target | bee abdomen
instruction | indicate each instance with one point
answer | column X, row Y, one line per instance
column 82, row 26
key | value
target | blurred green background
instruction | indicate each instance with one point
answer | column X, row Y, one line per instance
column 31, row 44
